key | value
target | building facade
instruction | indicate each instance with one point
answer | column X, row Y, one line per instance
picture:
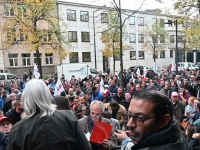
column 18, row 58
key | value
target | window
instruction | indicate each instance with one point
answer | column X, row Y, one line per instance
column 171, row 53
column 85, row 36
column 104, row 18
column 154, row 21
column 180, row 40
column 171, row 38
column 13, row 59
column 170, row 24
column 2, row 77
column 132, row 55
column 23, row 35
column 73, row 57
column 47, row 37
column 162, row 23
column 156, row 55
column 49, row 58
column 22, row 10
column 11, row 77
column 117, row 58
column 93, row 71
column 72, row 36
column 141, row 38
column 132, row 37
column 141, row 55
column 162, row 38
column 26, row 59
column 140, row 21
column 35, row 58
column 11, row 35
column 132, row 20
column 71, row 15
column 86, row 56
column 162, row 54
column 84, row 16
column 9, row 10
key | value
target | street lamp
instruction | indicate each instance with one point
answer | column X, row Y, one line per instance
column 95, row 53
column 176, row 50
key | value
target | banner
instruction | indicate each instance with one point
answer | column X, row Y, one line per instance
column 36, row 72
column 59, row 88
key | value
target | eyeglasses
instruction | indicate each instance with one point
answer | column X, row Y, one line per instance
column 137, row 119
column 6, row 123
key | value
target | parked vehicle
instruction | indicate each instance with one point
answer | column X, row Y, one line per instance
column 134, row 68
column 7, row 77
column 198, row 64
column 78, row 70
column 187, row 65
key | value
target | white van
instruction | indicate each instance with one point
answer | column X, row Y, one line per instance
column 187, row 65
column 78, row 70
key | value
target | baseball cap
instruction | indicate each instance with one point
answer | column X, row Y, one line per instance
column 174, row 94
column 5, row 118
column 106, row 86
column 107, row 92
column 192, row 76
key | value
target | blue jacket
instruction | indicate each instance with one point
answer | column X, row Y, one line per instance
column 99, row 96
column 1, row 103
column 3, row 141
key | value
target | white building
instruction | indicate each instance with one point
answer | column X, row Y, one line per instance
column 82, row 25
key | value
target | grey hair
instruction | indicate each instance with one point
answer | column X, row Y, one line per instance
column 36, row 98
column 96, row 102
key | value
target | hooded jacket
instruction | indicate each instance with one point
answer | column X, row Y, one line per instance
column 169, row 138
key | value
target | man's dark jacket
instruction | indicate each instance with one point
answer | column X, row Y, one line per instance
column 60, row 131
column 168, row 138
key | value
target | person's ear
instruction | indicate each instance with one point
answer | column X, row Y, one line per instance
column 165, row 120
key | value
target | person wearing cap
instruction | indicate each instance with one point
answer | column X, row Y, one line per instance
column 5, row 127
column 45, row 127
column 5, row 124
column 178, row 107
column 106, row 96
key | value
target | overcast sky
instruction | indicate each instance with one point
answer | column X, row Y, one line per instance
column 129, row 4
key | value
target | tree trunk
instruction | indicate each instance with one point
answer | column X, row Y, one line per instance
column 113, row 63
column 39, row 62
column 121, row 53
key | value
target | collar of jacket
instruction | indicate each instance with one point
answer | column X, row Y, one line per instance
column 167, row 135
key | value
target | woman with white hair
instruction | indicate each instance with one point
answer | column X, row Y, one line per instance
column 44, row 127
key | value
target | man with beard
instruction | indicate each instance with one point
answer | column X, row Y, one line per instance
column 16, row 113
column 120, row 95
column 151, row 124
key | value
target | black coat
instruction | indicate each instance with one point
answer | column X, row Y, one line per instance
column 168, row 138
column 60, row 131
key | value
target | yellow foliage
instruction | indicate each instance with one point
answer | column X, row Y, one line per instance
column 37, row 28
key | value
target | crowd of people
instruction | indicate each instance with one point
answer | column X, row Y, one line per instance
column 152, row 112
